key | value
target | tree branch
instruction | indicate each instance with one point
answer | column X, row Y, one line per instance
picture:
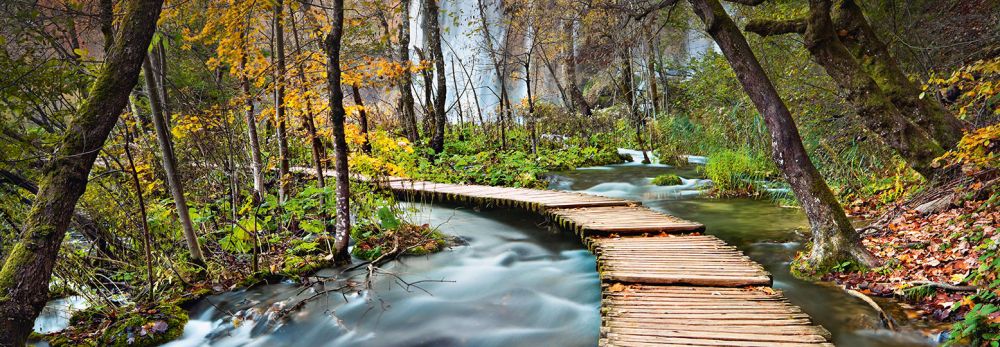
column 747, row 2
column 777, row 27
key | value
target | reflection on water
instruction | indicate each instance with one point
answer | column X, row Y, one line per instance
column 514, row 284
column 769, row 234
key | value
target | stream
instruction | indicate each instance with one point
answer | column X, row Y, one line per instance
column 516, row 282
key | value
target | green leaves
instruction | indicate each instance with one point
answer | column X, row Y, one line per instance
column 388, row 219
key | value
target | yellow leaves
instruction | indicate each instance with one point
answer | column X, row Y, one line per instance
column 617, row 287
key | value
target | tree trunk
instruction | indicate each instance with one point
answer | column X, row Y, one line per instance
column 834, row 239
column 531, row 106
column 27, row 269
column 256, row 164
column 432, row 35
column 498, row 69
column 279, row 99
column 366, row 146
column 628, row 90
column 170, row 163
column 406, row 79
column 337, row 116
column 146, row 240
column 875, row 109
column 576, row 95
column 861, row 40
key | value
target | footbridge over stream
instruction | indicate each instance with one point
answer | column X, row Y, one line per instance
column 663, row 282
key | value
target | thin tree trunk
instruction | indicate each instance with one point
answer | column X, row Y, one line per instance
column 531, row 105
column 146, row 242
column 628, row 91
column 834, row 238
column 256, row 164
column 337, row 116
column 406, row 79
column 432, row 34
column 27, row 269
column 366, row 146
column 279, row 100
column 170, row 164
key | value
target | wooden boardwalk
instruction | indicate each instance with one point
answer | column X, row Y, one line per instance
column 663, row 283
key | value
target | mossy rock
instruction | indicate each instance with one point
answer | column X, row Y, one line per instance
column 667, row 180
column 146, row 327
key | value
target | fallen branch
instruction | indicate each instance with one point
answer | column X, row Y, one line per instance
column 945, row 286
column 881, row 313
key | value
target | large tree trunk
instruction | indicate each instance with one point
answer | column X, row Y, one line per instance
column 861, row 40
column 875, row 109
column 834, row 239
column 337, row 116
column 25, row 276
column 406, row 79
column 279, row 100
column 170, row 163
column 432, row 34
column 576, row 95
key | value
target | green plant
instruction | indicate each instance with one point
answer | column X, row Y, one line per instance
column 667, row 180
column 739, row 173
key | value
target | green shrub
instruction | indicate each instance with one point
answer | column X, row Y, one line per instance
column 667, row 180
column 738, row 173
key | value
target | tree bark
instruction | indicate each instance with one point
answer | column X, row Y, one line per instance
column 256, row 164
column 834, row 239
column 366, row 146
column 170, row 163
column 628, row 90
column 337, row 116
column 861, row 40
column 27, row 269
column 432, row 34
column 875, row 109
column 576, row 95
column 406, row 79
column 279, row 100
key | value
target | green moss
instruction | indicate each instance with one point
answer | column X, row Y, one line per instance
column 667, row 180
column 150, row 327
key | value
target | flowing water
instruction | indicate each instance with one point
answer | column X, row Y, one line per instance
column 514, row 282
column 769, row 234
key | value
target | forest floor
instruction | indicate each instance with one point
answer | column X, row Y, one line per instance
column 934, row 248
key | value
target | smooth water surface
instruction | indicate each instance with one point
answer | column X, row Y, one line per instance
column 514, row 284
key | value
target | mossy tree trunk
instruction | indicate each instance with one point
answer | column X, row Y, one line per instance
column 337, row 116
column 834, row 239
column 874, row 107
column 845, row 26
column 26, row 271
column 170, row 162
column 861, row 40
column 406, row 79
